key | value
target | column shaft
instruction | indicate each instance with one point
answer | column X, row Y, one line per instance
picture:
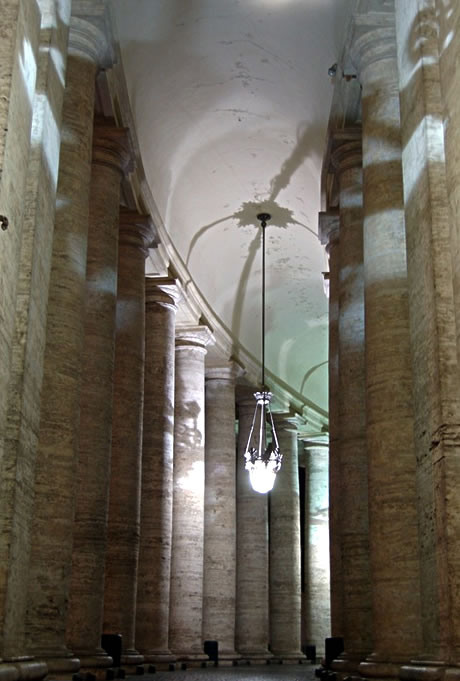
column 435, row 17
column 252, row 604
column 84, row 623
column 329, row 234
column 59, row 420
column 26, row 366
column 351, row 398
column 122, row 553
column 285, row 567
column 431, row 242
column 316, row 558
column 220, row 511
column 185, row 619
column 20, row 26
column 389, row 414
column 152, row 618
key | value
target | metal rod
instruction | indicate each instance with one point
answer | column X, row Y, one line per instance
column 263, row 217
column 263, row 306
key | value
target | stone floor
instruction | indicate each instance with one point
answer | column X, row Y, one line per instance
column 252, row 673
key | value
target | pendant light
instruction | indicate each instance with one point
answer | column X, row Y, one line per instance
column 262, row 453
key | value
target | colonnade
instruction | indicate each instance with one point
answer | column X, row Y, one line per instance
column 124, row 505
column 391, row 231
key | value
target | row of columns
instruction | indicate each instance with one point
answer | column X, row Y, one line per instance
column 123, row 508
column 393, row 358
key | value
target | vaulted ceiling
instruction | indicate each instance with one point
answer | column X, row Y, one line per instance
column 231, row 100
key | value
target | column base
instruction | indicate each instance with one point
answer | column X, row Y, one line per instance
column 191, row 657
column 228, row 658
column 22, row 669
column 428, row 670
column 60, row 662
column 288, row 657
column 348, row 664
column 256, row 656
column 93, row 659
column 131, row 658
column 380, row 669
column 159, row 656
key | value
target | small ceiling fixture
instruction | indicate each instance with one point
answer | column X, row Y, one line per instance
column 262, row 454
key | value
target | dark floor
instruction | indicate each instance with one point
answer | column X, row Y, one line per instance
column 253, row 673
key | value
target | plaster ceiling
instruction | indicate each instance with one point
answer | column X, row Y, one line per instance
column 231, row 101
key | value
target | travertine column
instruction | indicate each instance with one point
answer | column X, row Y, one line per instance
column 220, row 510
column 438, row 22
column 285, row 567
column 136, row 234
column 20, row 26
column 389, row 414
column 329, row 224
column 351, row 399
column 431, row 243
column 252, row 606
column 34, row 186
column 185, row 618
column 316, row 541
column 49, row 574
column 152, row 617
column 111, row 155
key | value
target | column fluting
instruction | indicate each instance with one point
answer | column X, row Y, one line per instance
column 186, row 603
column 219, row 582
column 111, row 156
column 136, row 233
column 55, row 486
column 152, row 617
column 285, row 559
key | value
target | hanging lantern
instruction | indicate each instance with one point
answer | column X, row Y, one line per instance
column 262, row 453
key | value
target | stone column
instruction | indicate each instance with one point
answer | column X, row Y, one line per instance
column 152, row 618
column 393, row 531
column 20, row 26
column 439, row 52
column 219, row 582
column 185, row 618
column 111, row 156
column 252, row 605
column 285, row 566
column 430, row 245
column 55, row 485
column 316, row 541
column 21, row 372
column 329, row 224
column 136, row 234
column 351, row 399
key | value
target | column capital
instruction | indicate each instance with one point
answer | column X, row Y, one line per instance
column 227, row 371
column 88, row 42
column 245, row 399
column 347, row 155
column 193, row 336
column 328, row 227
column 136, row 230
column 164, row 291
column 287, row 421
column 373, row 43
column 112, row 146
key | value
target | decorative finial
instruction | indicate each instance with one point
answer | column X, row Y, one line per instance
column 264, row 217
